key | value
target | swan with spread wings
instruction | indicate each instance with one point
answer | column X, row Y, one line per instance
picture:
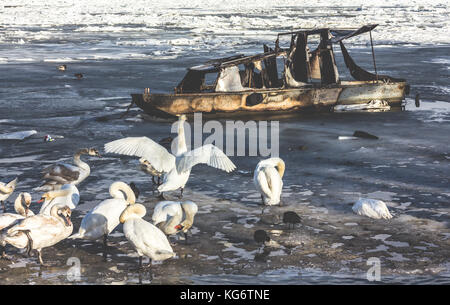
column 175, row 168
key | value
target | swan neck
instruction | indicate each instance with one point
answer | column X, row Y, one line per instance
column 77, row 159
column 281, row 167
column 181, row 148
column 122, row 187
column 19, row 206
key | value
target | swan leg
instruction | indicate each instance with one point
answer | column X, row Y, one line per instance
column 140, row 262
column 181, row 193
column 105, row 247
column 149, row 265
column 40, row 258
column 161, row 196
column 153, row 180
column 159, row 180
column 30, row 242
column 185, row 238
column 4, row 207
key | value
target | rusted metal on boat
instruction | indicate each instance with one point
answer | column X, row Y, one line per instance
column 250, row 84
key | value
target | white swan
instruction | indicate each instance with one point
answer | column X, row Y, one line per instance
column 104, row 218
column 268, row 180
column 40, row 231
column 168, row 216
column 22, row 208
column 68, row 195
column 6, row 189
column 176, row 168
column 57, row 175
column 147, row 239
column 372, row 208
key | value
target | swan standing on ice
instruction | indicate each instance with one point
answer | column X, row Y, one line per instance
column 175, row 168
column 22, row 208
column 40, row 231
column 372, row 208
column 57, row 175
column 104, row 217
column 168, row 216
column 268, row 180
column 6, row 189
column 147, row 239
column 68, row 195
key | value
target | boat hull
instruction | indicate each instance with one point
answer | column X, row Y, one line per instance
column 272, row 100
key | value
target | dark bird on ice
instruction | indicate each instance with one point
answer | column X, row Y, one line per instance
column 78, row 75
column 135, row 189
column 261, row 236
column 291, row 217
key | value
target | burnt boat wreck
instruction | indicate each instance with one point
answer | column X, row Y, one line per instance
column 305, row 79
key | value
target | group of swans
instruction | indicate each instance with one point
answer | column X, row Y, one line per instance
column 146, row 238
column 53, row 224
column 27, row 230
column 40, row 231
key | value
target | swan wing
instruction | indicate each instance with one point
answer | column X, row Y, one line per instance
column 144, row 147
column 62, row 172
column 207, row 154
column 263, row 184
column 36, row 222
column 152, row 237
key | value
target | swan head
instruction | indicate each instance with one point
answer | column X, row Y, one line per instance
column 63, row 212
column 93, row 152
column 281, row 167
column 49, row 196
column 24, row 198
column 144, row 161
column 133, row 211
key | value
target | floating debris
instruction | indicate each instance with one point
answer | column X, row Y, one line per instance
column 18, row 135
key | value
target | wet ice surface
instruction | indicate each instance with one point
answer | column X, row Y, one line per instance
column 407, row 168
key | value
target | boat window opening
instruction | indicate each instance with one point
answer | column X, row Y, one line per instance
column 251, row 75
column 210, row 81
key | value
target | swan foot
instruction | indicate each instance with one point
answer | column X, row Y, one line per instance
column 5, row 256
column 41, row 262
